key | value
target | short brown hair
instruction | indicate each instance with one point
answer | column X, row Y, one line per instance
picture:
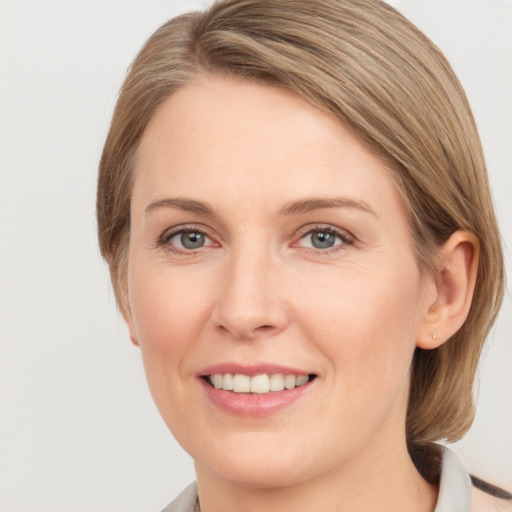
column 391, row 86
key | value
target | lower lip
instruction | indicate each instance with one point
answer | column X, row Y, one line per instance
column 249, row 404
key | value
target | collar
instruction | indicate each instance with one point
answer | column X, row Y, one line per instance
column 454, row 485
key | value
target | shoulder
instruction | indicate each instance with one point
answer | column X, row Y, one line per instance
column 483, row 502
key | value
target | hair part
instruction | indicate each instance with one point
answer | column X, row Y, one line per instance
column 364, row 63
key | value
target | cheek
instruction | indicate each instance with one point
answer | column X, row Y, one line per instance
column 168, row 315
column 366, row 322
column 168, row 312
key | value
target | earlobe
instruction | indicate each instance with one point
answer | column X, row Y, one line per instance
column 128, row 318
column 454, row 283
column 134, row 340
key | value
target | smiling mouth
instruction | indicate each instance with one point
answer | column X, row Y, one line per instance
column 257, row 384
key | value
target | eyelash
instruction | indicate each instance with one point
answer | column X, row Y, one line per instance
column 167, row 236
column 346, row 239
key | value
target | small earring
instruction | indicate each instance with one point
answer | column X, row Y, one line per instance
column 434, row 336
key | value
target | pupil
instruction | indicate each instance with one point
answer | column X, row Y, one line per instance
column 192, row 240
column 322, row 240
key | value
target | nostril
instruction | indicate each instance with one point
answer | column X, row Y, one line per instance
column 264, row 329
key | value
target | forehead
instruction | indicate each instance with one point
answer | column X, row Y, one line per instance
column 235, row 135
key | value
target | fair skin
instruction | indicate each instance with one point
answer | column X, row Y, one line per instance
column 265, row 238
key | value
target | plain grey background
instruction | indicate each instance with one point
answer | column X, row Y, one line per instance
column 78, row 429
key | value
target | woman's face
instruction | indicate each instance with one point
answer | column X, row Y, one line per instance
column 267, row 243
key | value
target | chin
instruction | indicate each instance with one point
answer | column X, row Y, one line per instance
column 269, row 474
column 254, row 461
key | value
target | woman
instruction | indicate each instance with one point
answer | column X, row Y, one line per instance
column 294, row 207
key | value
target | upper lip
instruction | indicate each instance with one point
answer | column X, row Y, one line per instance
column 251, row 370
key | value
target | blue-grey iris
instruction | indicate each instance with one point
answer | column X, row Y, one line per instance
column 322, row 239
column 192, row 240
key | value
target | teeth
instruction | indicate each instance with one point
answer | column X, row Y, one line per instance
column 227, row 382
column 301, row 380
column 241, row 383
column 217, row 381
column 277, row 382
column 260, row 384
column 290, row 381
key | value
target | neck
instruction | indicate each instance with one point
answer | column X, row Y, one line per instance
column 380, row 479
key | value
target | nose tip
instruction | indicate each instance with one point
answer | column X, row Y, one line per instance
column 250, row 305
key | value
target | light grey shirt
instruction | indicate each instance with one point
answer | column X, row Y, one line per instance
column 454, row 489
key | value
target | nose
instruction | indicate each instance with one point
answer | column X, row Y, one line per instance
column 251, row 303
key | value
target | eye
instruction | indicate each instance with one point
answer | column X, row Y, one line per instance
column 324, row 238
column 189, row 239
column 186, row 240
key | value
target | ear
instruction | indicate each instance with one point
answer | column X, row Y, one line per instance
column 128, row 318
column 452, row 292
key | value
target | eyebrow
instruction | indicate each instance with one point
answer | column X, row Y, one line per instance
column 186, row 205
column 291, row 208
column 308, row 205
